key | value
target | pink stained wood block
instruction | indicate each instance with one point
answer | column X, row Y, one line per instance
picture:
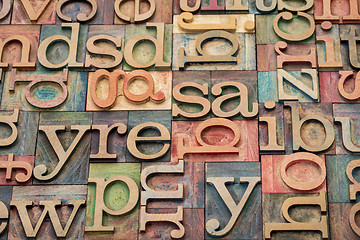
column 271, row 178
column 248, row 144
column 15, row 171
column 20, row 15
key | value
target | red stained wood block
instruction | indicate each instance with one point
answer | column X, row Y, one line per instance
column 34, row 12
column 303, row 171
column 339, row 221
column 15, row 171
column 247, row 146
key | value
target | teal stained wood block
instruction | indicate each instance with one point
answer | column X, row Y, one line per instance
column 248, row 225
column 27, row 127
column 5, row 198
column 58, row 52
column 75, row 169
column 267, row 86
column 149, row 147
column 76, row 87
column 63, row 193
column 145, row 51
column 115, row 197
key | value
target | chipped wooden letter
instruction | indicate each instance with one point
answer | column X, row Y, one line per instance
column 292, row 36
column 303, row 157
column 71, row 61
column 49, row 208
column 40, row 171
column 293, row 225
column 25, row 52
column 10, row 121
column 185, row 21
column 81, row 17
column 242, row 94
column 10, row 164
column 4, row 215
column 178, row 96
column 138, row 16
column 205, row 57
column 100, row 205
column 207, row 148
column 235, row 209
column 354, row 188
column 134, row 138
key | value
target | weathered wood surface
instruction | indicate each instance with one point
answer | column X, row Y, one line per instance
column 25, row 161
column 5, row 198
column 44, row 12
column 339, row 221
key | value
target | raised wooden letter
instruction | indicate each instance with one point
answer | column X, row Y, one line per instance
column 282, row 57
column 11, row 164
column 81, row 17
column 354, row 188
column 186, row 8
column 4, row 215
column 138, row 17
column 34, row 16
column 353, row 52
column 25, row 52
column 10, row 120
column 344, row 76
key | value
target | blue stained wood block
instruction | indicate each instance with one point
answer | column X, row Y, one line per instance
column 267, row 86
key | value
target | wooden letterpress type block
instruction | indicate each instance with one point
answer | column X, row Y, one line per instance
column 55, row 54
column 193, row 220
column 41, row 90
column 100, row 48
column 113, row 183
column 59, row 131
column 102, row 12
column 309, row 127
column 234, row 94
column 115, row 144
column 61, row 201
column 5, row 11
column 349, row 51
column 158, row 11
column 216, row 54
column 148, row 136
column 271, row 128
column 16, row 170
column 222, row 205
column 223, row 140
column 5, row 198
column 333, row 11
column 189, row 89
column 152, row 54
column 337, row 180
column 192, row 6
column 262, row 6
column 267, row 86
column 27, row 126
column 266, row 57
column 19, row 46
column 34, row 12
column 265, row 33
column 140, row 90
column 192, row 179
column 347, row 122
column 307, row 212
column 295, row 173
column 295, row 57
column 340, row 228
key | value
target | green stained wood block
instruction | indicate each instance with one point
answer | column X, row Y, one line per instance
column 5, row 197
column 115, row 198
column 337, row 180
column 248, row 225
column 199, row 77
column 265, row 33
column 63, row 193
column 27, row 126
column 151, row 147
column 58, row 52
column 75, row 170
column 248, row 78
column 145, row 51
column 76, row 87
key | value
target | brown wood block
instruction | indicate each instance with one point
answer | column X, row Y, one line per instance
column 306, row 171
column 12, row 53
column 34, row 12
column 116, row 143
column 5, row 198
column 247, row 147
column 20, row 171
column 266, row 57
column 162, row 13
column 161, row 230
column 339, row 221
column 35, row 194
column 6, row 11
column 73, row 168
column 312, row 132
column 192, row 179
column 104, row 12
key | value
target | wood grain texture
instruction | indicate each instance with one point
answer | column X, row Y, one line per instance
column 115, row 197
column 20, row 15
column 339, row 221
column 55, row 192
column 7, row 18
column 75, row 170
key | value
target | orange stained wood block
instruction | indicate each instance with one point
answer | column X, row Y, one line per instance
column 18, row 46
column 215, row 139
column 136, row 90
column 295, row 173
column 16, row 172
column 34, row 12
